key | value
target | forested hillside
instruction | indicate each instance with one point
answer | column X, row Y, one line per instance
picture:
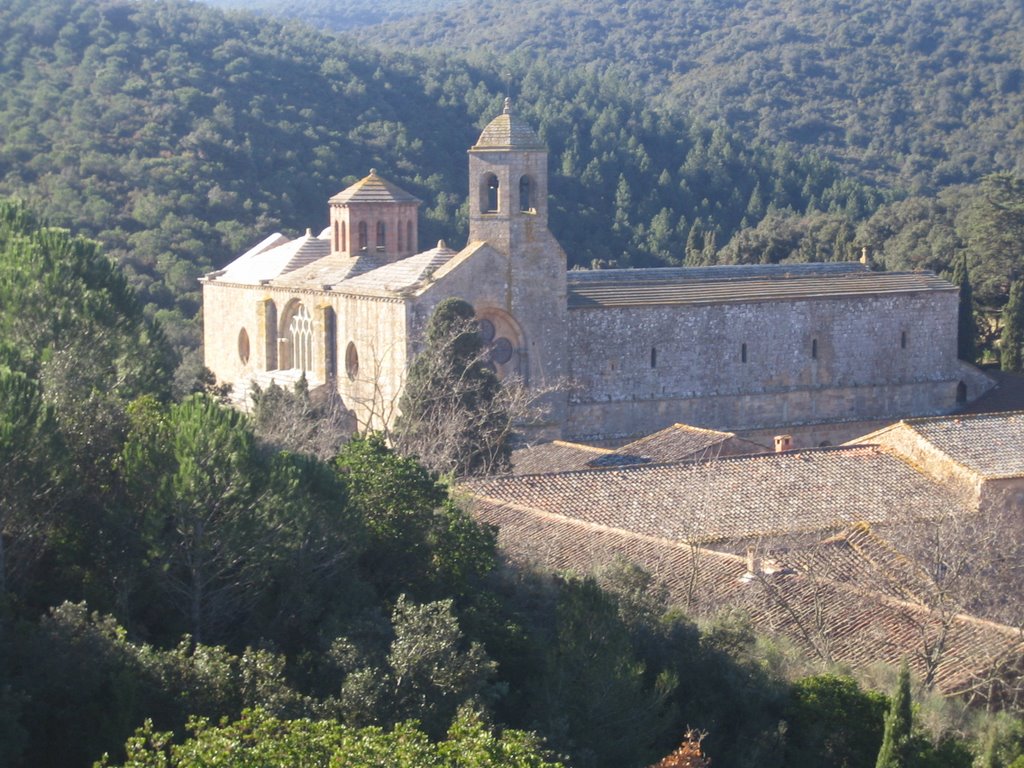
column 178, row 137
column 917, row 95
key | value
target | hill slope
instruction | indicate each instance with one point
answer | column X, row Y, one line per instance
column 919, row 94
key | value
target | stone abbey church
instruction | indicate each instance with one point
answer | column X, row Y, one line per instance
column 631, row 350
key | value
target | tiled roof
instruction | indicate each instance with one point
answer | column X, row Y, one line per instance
column 373, row 189
column 681, row 442
column 555, row 456
column 828, row 619
column 733, row 498
column 508, row 131
column 990, row 444
column 715, row 285
column 283, row 256
column 404, row 274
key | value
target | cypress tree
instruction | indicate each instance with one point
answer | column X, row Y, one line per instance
column 965, row 345
column 896, row 741
column 1013, row 329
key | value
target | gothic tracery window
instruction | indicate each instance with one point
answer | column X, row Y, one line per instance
column 300, row 338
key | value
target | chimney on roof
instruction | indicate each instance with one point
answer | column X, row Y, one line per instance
column 753, row 562
column 783, row 443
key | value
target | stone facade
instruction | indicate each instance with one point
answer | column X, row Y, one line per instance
column 631, row 351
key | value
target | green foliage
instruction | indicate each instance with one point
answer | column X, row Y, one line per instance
column 831, row 721
column 260, row 740
column 917, row 98
column 1011, row 344
column 897, row 750
column 965, row 326
column 596, row 699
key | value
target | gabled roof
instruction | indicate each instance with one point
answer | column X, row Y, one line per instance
column 282, row 256
column 373, row 189
column 989, row 444
column 733, row 498
column 682, row 442
column 555, row 456
column 737, row 283
column 405, row 274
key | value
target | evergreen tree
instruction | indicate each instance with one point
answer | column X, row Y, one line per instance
column 1010, row 353
column 452, row 418
column 896, row 750
column 965, row 345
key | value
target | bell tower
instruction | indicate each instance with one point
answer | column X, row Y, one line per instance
column 508, row 178
column 508, row 210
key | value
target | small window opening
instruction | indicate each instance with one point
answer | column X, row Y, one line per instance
column 654, row 357
column 344, row 245
column 525, row 195
column 961, row 393
column 490, row 193
column 814, row 349
column 399, row 229
column 337, row 236
column 903, row 340
column 743, row 353
column 381, row 238
column 363, row 238
column 351, row 360
column 408, row 237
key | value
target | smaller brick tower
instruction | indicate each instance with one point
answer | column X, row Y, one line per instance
column 374, row 217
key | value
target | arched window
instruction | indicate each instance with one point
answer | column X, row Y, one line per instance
column 408, row 237
column 525, row 194
column 300, row 338
column 400, row 249
column 961, row 393
column 489, row 201
column 243, row 346
column 363, row 239
column 337, row 236
column 381, row 238
column 344, row 245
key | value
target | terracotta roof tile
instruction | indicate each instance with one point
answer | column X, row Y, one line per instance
column 373, row 189
column 990, row 444
column 734, row 498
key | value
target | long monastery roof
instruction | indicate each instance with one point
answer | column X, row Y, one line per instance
column 736, row 283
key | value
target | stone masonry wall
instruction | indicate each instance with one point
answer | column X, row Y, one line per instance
column 746, row 365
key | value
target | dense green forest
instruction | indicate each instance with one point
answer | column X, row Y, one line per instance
column 915, row 95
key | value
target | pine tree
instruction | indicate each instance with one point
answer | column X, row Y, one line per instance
column 896, row 741
column 966, row 349
column 1010, row 352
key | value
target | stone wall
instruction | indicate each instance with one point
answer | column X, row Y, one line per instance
column 750, row 365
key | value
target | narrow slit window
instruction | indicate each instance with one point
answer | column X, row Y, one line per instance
column 363, row 239
column 903, row 340
column 381, row 236
column 814, row 349
column 654, row 357
column 344, row 245
column 743, row 353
